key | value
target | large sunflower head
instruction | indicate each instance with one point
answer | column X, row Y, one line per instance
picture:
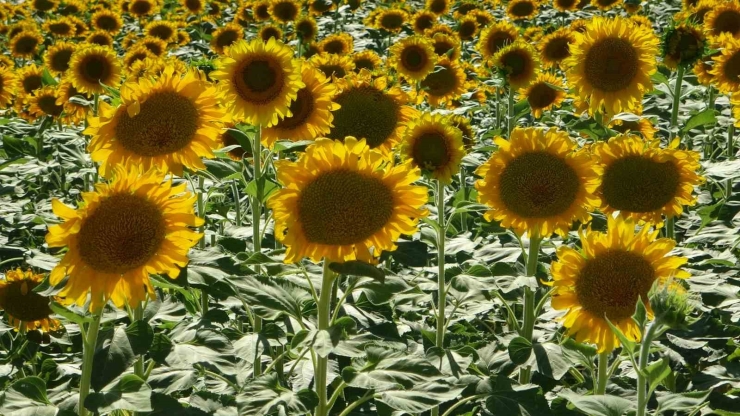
column 93, row 66
column 107, row 20
column 342, row 201
column 225, row 36
column 726, row 68
column 333, row 66
column 438, row 7
column 61, row 27
column 522, row 9
column 284, row 11
column 682, row 45
column 607, row 276
column 446, row 46
column 25, row 44
column 162, row 29
column 643, row 181
column 26, row 310
column 724, row 17
column 311, row 110
column 44, row 103
column 306, row 28
column 8, row 86
column 555, row 47
column 371, row 110
column 547, row 91
column 538, row 183
column 413, row 57
column 422, row 21
column 124, row 231
column 495, row 37
column 434, row 146
column 610, row 65
column 168, row 123
column 517, row 63
column 367, row 59
column 58, row 56
column 445, row 84
column 259, row 79
column 338, row 43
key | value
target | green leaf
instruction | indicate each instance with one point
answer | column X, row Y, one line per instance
column 272, row 297
column 358, row 268
column 130, row 393
column 268, row 187
column 241, row 138
column 13, row 147
column 26, row 397
column 640, row 315
column 140, row 335
column 112, row 360
column 520, row 349
column 550, row 360
column 656, row 373
column 160, row 348
column 503, row 400
column 68, row 314
column 32, row 388
column 700, row 119
column 48, row 79
column 422, row 397
column 408, row 253
column 629, row 345
column 601, row 405
column 682, row 403
column 390, row 369
column 265, row 395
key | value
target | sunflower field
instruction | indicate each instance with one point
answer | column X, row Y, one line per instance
column 356, row 207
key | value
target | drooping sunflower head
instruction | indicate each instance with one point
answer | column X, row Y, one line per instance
column 93, row 65
column 284, row 11
column 341, row 202
column 467, row 27
column 106, row 20
column 57, row 57
column 422, row 21
column 306, row 28
column 495, row 37
column 61, row 27
column 445, row 84
column 447, row 46
column 547, row 91
column 44, row 103
column 368, row 60
column 522, row 9
column 259, row 79
column 126, row 230
column 610, row 65
column 26, row 44
column 8, row 86
column 726, row 68
column 565, row 5
column 338, row 43
column 434, row 146
column 682, row 45
column 270, row 31
column 635, row 125
column 226, row 36
column 538, row 183
column 517, row 63
column 333, row 66
column 438, row 7
column 555, row 47
column 643, row 181
column 724, row 17
column 607, row 277
column 311, row 110
column 26, row 310
column 168, row 123
column 413, row 57
column 162, row 29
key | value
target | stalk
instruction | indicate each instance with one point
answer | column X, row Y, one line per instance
column 730, row 156
column 139, row 364
column 510, row 116
column 603, row 373
column 237, row 205
column 677, row 99
column 525, row 373
column 322, row 363
column 442, row 293
column 201, row 211
column 642, row 398
column 256, row 236
column 88, row 352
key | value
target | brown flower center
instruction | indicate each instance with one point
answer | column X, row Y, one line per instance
column 611, row 64
column 522, row 9
column 95, row 69
column 430, row 150
column 301, row 108
column 541, row 95
column 557, row 49
column 639, row 184
column 731, row 68
column 365, row 112
column 259, row 81
column 19, row 300
column 727, row 21
column 414, row 58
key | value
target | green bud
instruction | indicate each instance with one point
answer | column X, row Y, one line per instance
column 671, row 304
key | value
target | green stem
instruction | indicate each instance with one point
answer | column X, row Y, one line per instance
column 677, row 97
column 237, row 205
column 529, row 319
column 463, row 187
column 256, row 236
column 201, row 210
column 647, row 341
column 730, row 144
column 139, row 364
column 603, row 373
column 88, row 352
column 442, row 293
column 510, row 114
column 322, row 363
column 40, row 135
column 670, row 227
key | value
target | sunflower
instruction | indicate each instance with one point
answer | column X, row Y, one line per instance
column 333, row 66
column 25, row 26
column 107, row 20
column 141, row 8
column 555, row 47
column 74, row 112
column 522, row 9
column 228, row 139
column 642, row 21
column 194, row 6
column 643, row 181
column 43, row 103
column 391, row 20
column 565, row 5
column 226, row 36
column 101, row 38
column 446, row 46
column 306, row 28
column 495, row 37
column 445, row 84
column 309, row 50
column 261, row 10
column 466, row 6
column 25, row 44
column 467, row 27
column 682, row 45
column 311, row 110
column 61, row 27
column 606, row 4
column 57, row 57
column 432, row 144
column 162, row 29
column 698, row 12
column 284, row 11
column 183, row 38
column 339, row 43
column 423, row 20
column 517, row 63
column 726, row 68
column 156, row 46
column 438, row 7
column 635, row 125
column 270, row 31
column 139, row 53
column 93, row 65
column 153, row 68
column 483, row 17
column 703, row 66
column 126, row 230
column 537, row 182
column 73, row 7
column 259, row 79
column 724, row 17
column 463, row 124
column 44, row 5
column 30, row 78
column 632, row 8
column 6, row 61
column 354, row 4
column 533, row 34
column 579, row 25
column 544, row 93
column 607, row 277
column 319, row 7
column 367, row 59
column 168, row 123
column 26, row 310
column 413, row 57
column 610, row 65
column 8, row 86
column 439, row 28
column 378, row 202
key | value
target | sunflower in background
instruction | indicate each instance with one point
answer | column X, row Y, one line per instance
column 270, row 31
column 607, row 277
column 368, row 60
column 142, row 8
column 226, row 36
column 333, row 66
column 445, row 84
column 702, row 69
column 136, row 54
column 26, row 44
column 546, row 92
column 106, row 20
column 413, row 57
column 565, row 5
column 423, row 20
column 284, row 11
column 194, row 6
column 522, row 9
column 162, row 29
column 723, row 18
column 58, row 56
column 538, row 183
column 338, row 43
column 555, row 47
column 682, row 44
column 606, row 5
column 431, row 144
column 726, row 68
column 320, row 7
column 43, row 103
column 44, row 5
column 61, row 27
column 342, row 201
column 463, row 124
column 74, row 112
column 517, row 63
column 438, row 7
column 390, row 20
column 635, row 125
column 156, row 46
column 26, row 310
column 306, row 28
column 126, row 230
column 8, row 86
column 447, row 46
column 30, row 79
column 467, row 27
column 495, row 37
column 91, row 66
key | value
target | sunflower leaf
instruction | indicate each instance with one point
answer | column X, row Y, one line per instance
column 68, row 314
column 629, row 345
column 358, row 268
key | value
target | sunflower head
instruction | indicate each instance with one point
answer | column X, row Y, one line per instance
column 44, row 103
column 162, row 29
column 333, row 66
column 338, row 43
column 61, row 27
column 447, row 46
column 726, row 68
column 306, row 28
column 8, row 86
column 93, row 66
column 445, row 84
column 467, row 27
column 270, row 31
column 522, row 9
column 517, row 63
column 100, row 38
column 607, row 277
column 565, row 5
column 74, row 112
column 368, row 60
column 26, row 309
column 194, row 6
column 434, row 146
column 544, row 93
column 44, row 5
column 106, row 20
column 413, row 57
column 391, row 20
column 724, row 17
column 630, row 123
column 226, row 36
column 25, row 44
column 142, row 8
column 555, row 47
column 57, row 57
column 30, row 79
column 423, row 20
column 605, row 5
column 156, row 46
column 495, row 37
column 284, row 11
column 538, row 183
column 463, row 124
column 342, row 201
column 438, row 7
column 319, row 7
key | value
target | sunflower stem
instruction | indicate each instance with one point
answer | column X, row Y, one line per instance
column 442, row 293
column 201, row 210
column 139, row 364
column 730, row 139
column 677, row 103
column 88, row 352
column 322, row 363
column 464, row 189
column 670, row 227
column 602, row 373
column 528, row 321
column 510, row 115
column 256, row 235
column 642, row 397
column 237, row 205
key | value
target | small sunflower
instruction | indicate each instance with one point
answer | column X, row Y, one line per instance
column 642, row 21
column 438, row 7
column 726, row 68
column 194, row 6
column 495, row 37
column 522, row 9
column 162, row 29
column 311, row 110
column 306, row 28
column 517, row 63
column 538, row 183
column 44, row 5
column 8, row 86
column 579, row 25
column 483, row 17
column 391, row 20
column 153, row 68
column 610, row 65
column 142, row 8
column 466, row 6
column 136, row 54
column 26, row 44
column 61, row 27
column 259, row 79
column 544, row 93
column 606, row 4
column 643, row 181
column 607, row 277
column 342, row 201
column 58, row 56
column 423, row 20
column 635, row 125
column 724, row 17
column 444, row 84
column 555, row 47
column 226, row 36
column 698, row 12
column 44, row 103
column 126, row 230
column 338, row 43
column 284, row 11
column 439, row 28
column 101, row 38
column 533, row 34
column 367, row 59
column 413, row 57
column 565, row 5
column 467, row 27
column 333, row 66
column 446, row 46
column 156, row 46
column 261, row 10
column 93, row 66
column 74, row 112
column 463, row 124
column 433, row 145
column 73, row 7
column 682, row 45
column 30, row 79
column 270, row 31
column 107, row 20
column 319, row 7
column 26, row 310
column 167, row 124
